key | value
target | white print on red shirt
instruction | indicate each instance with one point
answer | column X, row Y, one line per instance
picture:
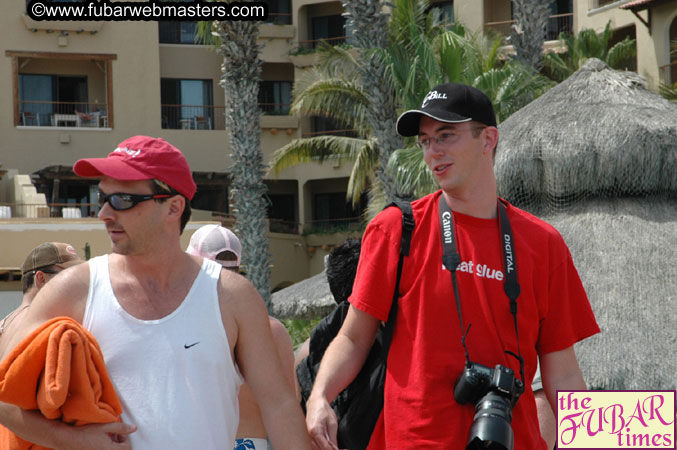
column 480, row 270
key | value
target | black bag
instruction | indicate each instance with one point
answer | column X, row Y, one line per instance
column 359, row 405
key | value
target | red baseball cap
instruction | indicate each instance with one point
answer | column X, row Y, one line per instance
column 143, row 158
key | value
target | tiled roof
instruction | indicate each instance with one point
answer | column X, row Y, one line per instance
column 636, row 3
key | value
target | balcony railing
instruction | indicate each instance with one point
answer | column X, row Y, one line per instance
column 193, row 117
column 63, row 114
column 346, row 132
column 274, row 225
column 41, row 210
column 558, row 23
column 310, row 45
column 275, row 109
column 207, row 117
column 325, row 226
column 279, row 18
column 668, row 73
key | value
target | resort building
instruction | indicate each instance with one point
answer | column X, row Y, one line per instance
column 75, row 89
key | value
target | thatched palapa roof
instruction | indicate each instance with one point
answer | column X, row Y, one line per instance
column 601, row 132
column 307, row 299
column 625, row 252
column 596, row 156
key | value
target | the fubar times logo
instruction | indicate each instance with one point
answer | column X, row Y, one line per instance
column 616, row 419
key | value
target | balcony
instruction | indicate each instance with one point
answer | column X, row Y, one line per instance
column 208, row 117
column 275, row 109
column 62, row 114
column 193, row 117
column 310, row 46
column 44, row 97
column 279, row 18
column 327, row 226
column 346, row 133
column 274, row 225
column 558, row 23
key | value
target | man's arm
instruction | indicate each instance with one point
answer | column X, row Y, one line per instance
column 246, row 321
column 560, row 371
column 33, row 427
column 341, row 363
column 285, row 351
column 65, row 295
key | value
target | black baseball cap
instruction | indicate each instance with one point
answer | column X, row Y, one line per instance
column 450, row 103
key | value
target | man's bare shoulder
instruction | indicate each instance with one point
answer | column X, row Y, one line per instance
column 236, row 293
column 64, row 295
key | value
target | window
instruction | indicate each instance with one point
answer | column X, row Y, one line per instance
column 279, row 11
column 211, row 198
column 177, row 32
column 333, row 206
column 281, row 211
column 275, row 97
column 329, row 28
column 41, row 96
column 445, row 10
column 186, row 104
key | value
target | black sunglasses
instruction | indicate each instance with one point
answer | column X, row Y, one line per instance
column 121, row 202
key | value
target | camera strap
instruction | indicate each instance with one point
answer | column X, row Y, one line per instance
column 451, row 260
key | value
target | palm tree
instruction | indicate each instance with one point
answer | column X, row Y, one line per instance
column 588, row 44
column 422, row 53
column 368, row 21
column 528, row 33
column 241, row 76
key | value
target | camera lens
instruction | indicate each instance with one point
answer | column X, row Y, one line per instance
column 491, row 425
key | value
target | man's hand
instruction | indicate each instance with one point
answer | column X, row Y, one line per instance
column 109, row 436
column 322, row 423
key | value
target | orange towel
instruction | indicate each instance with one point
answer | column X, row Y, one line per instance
column 59, row 370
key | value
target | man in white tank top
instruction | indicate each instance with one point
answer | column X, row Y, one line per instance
column 176, row 331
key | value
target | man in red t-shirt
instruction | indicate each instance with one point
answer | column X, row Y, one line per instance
column 456, row 129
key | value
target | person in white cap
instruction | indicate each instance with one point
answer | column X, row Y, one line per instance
column 223, row 246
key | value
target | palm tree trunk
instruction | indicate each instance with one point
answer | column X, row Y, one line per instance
column 241, row 75
column 528, row 34
column 368, row 21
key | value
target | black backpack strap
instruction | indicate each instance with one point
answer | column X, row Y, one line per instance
column 408, row 225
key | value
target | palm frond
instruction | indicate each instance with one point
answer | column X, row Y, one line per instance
column 206, row 36
column 669, row 92
column 621, row 54
column 316, row 149
column 411, row 173
column 337, row 99
column 336, row 61
column 363, row 170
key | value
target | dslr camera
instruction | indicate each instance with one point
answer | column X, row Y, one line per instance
column 494, row 393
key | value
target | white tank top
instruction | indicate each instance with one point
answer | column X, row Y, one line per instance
column 175, row 376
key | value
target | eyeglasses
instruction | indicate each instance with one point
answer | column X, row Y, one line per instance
column 121, row 202
column 446, row 137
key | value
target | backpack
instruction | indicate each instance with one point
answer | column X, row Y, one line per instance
column 359, row 405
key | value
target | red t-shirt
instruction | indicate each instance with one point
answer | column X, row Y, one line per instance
column 426, row 356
